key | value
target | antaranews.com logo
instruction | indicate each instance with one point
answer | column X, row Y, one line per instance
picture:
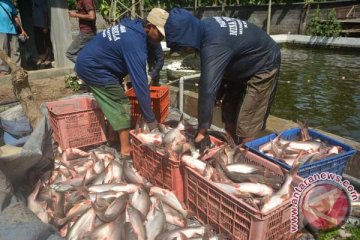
column 323, row 201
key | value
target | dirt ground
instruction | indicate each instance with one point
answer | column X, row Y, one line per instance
column 44, row 90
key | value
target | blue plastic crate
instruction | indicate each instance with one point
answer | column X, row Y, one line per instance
column 335, row 164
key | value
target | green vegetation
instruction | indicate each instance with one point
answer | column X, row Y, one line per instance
column 71, row 4
column 325, row 28
column 72, row 83
column 334, row 234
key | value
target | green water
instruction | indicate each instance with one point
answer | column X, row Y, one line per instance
column 318, row 85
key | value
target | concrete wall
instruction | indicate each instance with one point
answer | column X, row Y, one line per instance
column 285, row 18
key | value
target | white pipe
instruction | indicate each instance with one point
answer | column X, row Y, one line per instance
column 181, row 89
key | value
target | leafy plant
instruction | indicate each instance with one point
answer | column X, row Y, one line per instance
column 72, row 83
column 326, row 28
column 71, row 4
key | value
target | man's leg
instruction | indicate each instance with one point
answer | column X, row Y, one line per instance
column 15, row 50
column 255, row 108
column 77, row 44
column 4, row 68
column 125, row 147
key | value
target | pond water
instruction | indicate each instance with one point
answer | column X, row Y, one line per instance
column 318, row 85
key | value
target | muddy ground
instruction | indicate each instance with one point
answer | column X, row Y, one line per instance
column 44, row 90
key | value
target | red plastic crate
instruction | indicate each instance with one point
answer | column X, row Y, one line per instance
column 159, row 102
column 157, row 168
column 76, row 122
column 231, row 215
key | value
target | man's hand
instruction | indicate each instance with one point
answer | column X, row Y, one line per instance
column 152, row 125
column 26, row 36
column 72, row 14
column 202, row 141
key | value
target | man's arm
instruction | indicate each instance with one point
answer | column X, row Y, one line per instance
column 18, row 22
column 159, row 61
column 89, row 16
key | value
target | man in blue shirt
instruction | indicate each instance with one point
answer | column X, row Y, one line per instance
column 114, row 53
column 8, row 36
column 238, row 60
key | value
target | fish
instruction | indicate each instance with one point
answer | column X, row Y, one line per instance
column 76, row 210
column 170, row 199
column 246, row 189
column 187, row 232
column 114, row 230
column 194, row 163
column 37, row 207
column 141, row 201
column 118, row 187
column 116, row 207
column 282, row 194
column 304, row 130
column 173, row 217
column 156, row 220
column 85, row 223
column 137, row 221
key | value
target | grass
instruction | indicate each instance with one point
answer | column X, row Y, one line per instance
column 354, row 230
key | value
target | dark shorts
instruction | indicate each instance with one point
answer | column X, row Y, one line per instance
column 247, row 105
column 114, row 104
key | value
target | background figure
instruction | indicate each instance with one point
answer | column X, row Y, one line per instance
column 87, row 26
column 9, row 42
column 155, row 61
column 41, row 25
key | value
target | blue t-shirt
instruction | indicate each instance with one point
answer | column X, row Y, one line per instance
column 7, row 9
column 114, row 53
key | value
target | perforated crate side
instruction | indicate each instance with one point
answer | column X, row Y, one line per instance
column 233, row 215
column 81, row 129
column 157, row 168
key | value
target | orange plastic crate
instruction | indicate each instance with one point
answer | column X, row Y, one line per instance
column 159, row 102
column 76, row 122
column 231, row 215
column 157, row 168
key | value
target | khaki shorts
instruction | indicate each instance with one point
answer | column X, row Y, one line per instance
column 247, row 105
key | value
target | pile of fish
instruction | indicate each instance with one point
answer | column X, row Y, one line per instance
column 228, row 169
column 225, row 166
column 171, row 139
column 303, row 148
column 97, row 195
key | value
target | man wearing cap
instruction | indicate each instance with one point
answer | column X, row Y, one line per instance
column 238, row 59
column 114, row 53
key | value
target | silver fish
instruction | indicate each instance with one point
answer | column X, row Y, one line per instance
column 141, row 201
column 137, row 220
column 282, row 194
column 85, row 223
column 170, row 199
column 156, row 220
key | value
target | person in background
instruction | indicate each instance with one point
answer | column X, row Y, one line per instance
column 9, row 43
column 111, row 55
column 239, row 59
column 87, row 27
column 155, row 62
column 41, row 25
